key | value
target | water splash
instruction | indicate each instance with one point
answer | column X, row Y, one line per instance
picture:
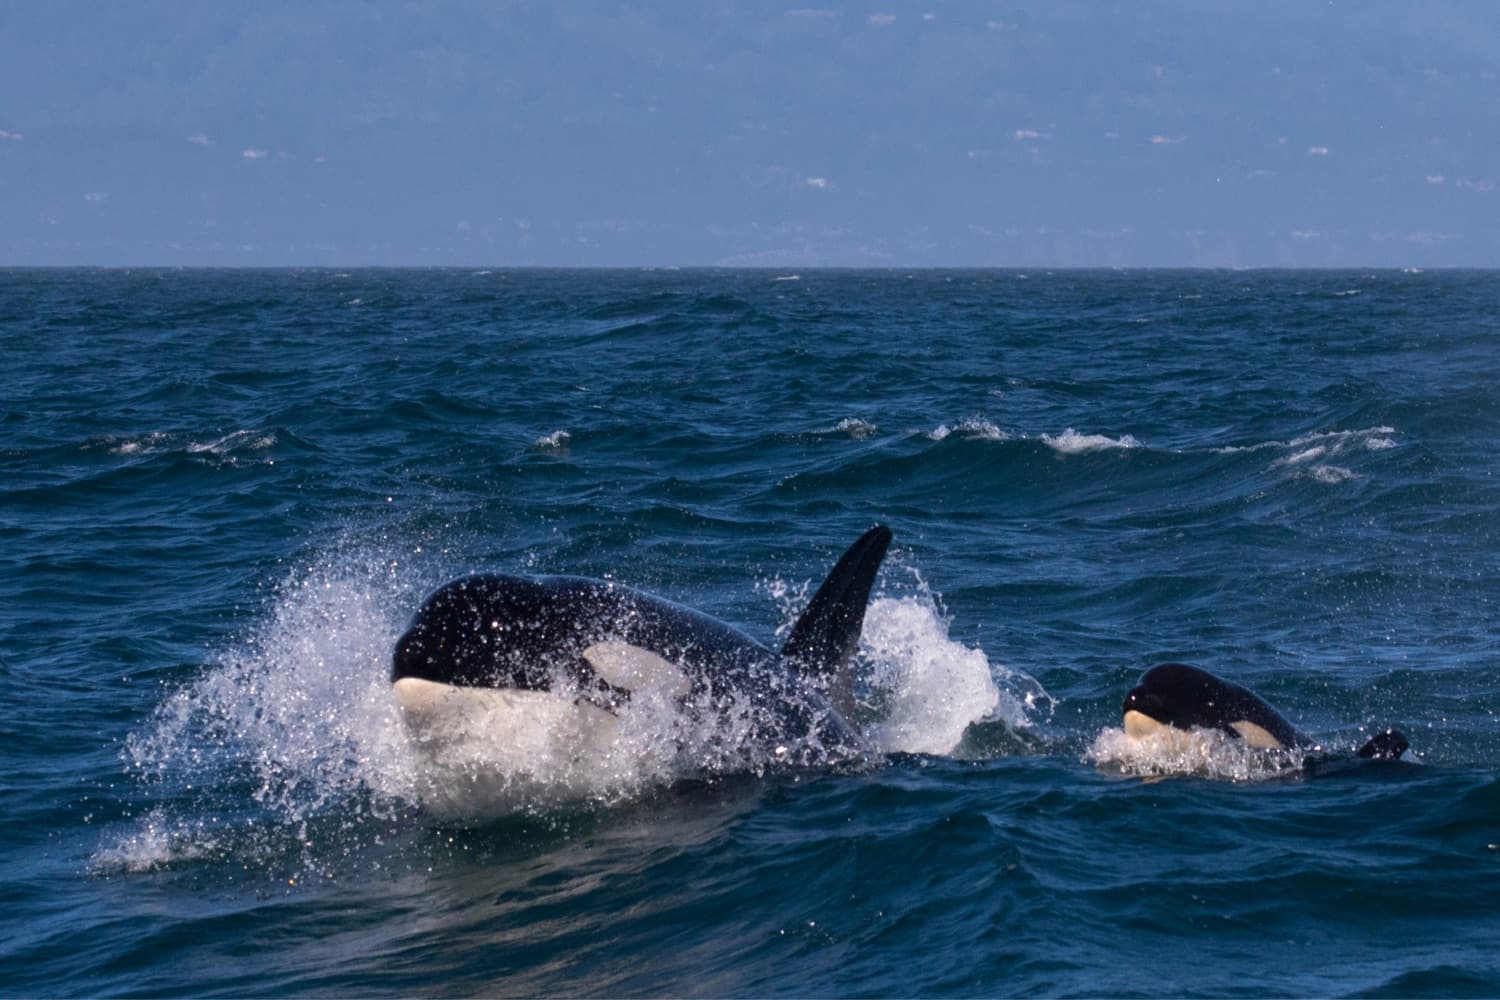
column 1205, row 753
column 931, row 688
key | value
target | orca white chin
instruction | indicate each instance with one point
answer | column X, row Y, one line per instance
column 490, row 752
column 503, row 724
column 1140, row 726
column 1150, row 739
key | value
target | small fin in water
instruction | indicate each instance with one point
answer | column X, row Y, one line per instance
column 828, row 632
column 1389, row 745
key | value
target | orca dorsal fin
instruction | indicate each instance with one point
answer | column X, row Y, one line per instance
column 828, row 632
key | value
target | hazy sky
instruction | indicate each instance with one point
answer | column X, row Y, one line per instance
column 1140, row 132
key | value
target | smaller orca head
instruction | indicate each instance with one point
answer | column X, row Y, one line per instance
column 1182, row 697
column 1389, row 745
column 1175, row 695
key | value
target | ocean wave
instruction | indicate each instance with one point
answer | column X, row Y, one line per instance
column 556, row 440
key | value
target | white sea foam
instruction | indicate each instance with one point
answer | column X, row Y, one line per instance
column 1368, row 438
column 148, row 444
column 226, row 446
column 237, row 441
column 1330, row 474
column 1202, row 752
column 557, row 439
column 1070, row 442
column 975, row 428
column 1309, row 456
column 856, row 427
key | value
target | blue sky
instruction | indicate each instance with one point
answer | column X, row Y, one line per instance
column 1060, row 133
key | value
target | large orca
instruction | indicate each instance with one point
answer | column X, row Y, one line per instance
column 1177, row 696
column 513, row 644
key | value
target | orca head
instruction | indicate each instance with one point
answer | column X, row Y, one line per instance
column 1177, row 696
column 488, row 631
column 500, row 632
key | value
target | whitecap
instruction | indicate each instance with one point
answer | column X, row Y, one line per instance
column 1325, row 442
column 1344, row 439
column 1300, row 457
column 222, row 446
column 148, row 444
column 1070, row 442
column 1330, row 474
column 971, row 428
column 249, row 440
column 856, row 427
column 557, row 439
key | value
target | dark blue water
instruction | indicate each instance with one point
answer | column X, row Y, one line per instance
column 222, row 495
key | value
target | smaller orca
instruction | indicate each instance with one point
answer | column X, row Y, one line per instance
column 1177, row 696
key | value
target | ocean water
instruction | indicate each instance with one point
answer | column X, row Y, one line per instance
column 224, row 493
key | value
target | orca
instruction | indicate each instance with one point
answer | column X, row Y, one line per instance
column 543, row 655
column 1177, row 696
